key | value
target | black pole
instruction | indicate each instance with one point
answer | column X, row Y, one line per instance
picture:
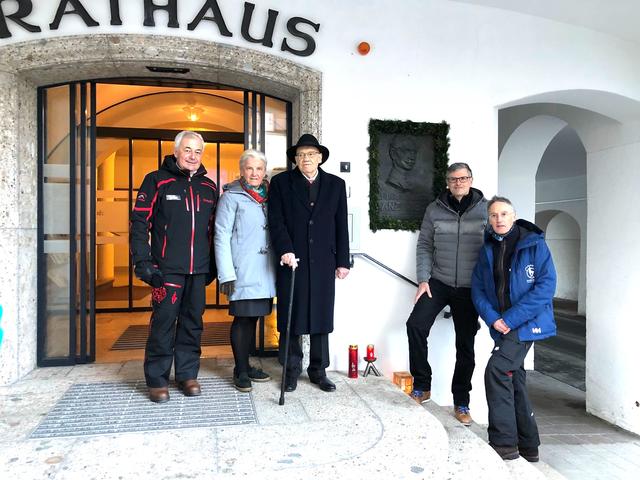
column 286, row 336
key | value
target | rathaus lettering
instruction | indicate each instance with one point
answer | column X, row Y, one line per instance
column 209, row 12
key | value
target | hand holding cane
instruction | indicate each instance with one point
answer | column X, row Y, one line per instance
column 286, row 335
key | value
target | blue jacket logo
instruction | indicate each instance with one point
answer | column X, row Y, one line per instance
column 531, row 274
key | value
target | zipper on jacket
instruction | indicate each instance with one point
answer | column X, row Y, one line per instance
column 164, row 241
column 193, row 225
column 198, row 208
column 502, row 286
column 457, row 251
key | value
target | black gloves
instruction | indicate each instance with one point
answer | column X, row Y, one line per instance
column 148, row 273
column 228, row 288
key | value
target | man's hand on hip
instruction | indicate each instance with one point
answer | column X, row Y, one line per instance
column 423, row 287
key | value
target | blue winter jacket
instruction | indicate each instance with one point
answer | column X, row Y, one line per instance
column 532, row 282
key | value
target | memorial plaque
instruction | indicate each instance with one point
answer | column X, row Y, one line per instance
column 407, row 164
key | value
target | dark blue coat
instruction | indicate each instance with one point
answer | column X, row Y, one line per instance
column 319, row 237
column 532, row 283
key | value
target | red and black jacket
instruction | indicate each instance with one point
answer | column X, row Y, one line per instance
column 178, row 211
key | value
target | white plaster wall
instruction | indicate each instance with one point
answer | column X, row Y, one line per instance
column 563, row 238
column 432, row 60
column 613, row 282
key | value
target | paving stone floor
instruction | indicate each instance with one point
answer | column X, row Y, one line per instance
column 367, row 429
column 576, row 444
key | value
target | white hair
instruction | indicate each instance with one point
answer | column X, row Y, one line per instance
column 186, row 133
column 252, row 153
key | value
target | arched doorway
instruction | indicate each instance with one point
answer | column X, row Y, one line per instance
column 563, row 356
column 76, row 59
column 606, row 125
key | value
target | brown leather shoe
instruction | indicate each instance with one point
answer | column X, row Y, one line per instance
column 159, row 394
column 463, row 415
column 191, row 388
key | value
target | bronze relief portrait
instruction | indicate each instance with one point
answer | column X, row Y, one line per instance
column 407, row 161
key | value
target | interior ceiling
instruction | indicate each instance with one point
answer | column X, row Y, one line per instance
column 613, row 17
column 169, row 108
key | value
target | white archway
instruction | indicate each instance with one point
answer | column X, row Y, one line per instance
column 563, row 235
column 608, row 125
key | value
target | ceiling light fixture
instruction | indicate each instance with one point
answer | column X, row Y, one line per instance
column 193, row 113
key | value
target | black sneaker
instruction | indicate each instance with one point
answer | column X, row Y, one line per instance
column 506, row 453
column 258, row 375
column 530, row 454
column 242, row 382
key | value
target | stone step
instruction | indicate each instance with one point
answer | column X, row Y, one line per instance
column 470, row 456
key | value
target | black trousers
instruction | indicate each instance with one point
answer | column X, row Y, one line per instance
column 318, row 355
column 175, row 329
column 465, row 322
column 511, row 419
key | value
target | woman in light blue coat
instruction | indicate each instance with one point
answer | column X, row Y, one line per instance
column 246, row 272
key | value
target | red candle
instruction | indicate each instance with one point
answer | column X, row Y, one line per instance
column 370, row 351
column 353, row 361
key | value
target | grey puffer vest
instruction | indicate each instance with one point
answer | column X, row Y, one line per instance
column 448, row 244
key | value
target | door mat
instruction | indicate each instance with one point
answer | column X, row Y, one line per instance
column 135, row 336
column 123, row 407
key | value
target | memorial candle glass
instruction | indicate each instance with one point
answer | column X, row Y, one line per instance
column 370, row 353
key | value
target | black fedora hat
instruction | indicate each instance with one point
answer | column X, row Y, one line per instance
column 307, row 140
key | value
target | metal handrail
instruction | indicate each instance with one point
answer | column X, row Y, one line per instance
column 447, row 314
column 382, row 265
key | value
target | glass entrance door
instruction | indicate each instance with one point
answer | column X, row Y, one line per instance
column 66, row 148
column 97, row 141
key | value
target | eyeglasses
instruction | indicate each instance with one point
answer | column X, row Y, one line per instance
column 458, row 179
column 302, row 156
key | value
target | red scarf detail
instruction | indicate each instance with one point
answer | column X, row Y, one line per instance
column 254, row 193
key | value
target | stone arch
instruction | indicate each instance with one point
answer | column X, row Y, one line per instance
column 27, row 65
column 563, row 234
column 85, row 57
column 607, row 125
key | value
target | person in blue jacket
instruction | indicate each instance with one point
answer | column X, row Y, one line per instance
column 512, row 288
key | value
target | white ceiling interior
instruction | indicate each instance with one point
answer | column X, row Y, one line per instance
column 619, row 18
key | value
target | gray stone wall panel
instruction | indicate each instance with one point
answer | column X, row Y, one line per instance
column 10, row 301
column 9, row 141
column 27, row 300
column 27, row 157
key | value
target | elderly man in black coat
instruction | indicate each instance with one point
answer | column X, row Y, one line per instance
column 308, row 226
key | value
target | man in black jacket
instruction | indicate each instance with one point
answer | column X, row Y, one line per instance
column 308, row 226
column 175, row 206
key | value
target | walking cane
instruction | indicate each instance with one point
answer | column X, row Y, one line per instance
column 286, row 335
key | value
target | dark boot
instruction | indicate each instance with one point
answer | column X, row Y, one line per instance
column 242, row 382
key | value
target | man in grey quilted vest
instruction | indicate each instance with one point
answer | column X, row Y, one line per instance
column 450, row 238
